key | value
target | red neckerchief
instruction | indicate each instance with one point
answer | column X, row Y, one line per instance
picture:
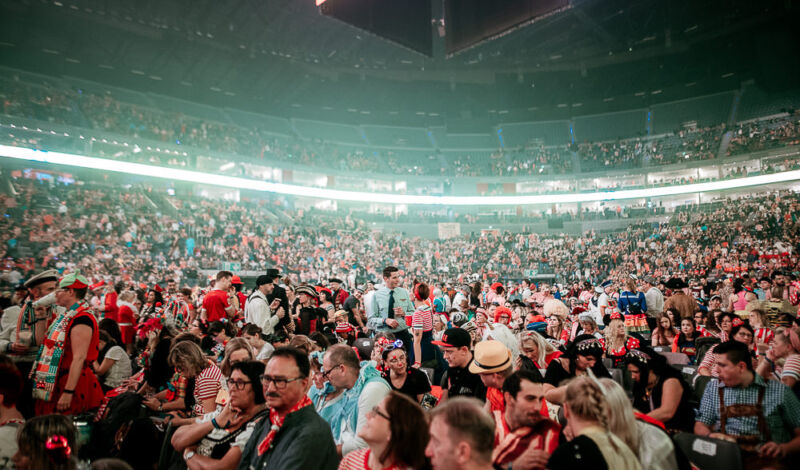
column 277, row 423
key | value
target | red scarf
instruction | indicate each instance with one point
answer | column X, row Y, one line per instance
column 277, row 423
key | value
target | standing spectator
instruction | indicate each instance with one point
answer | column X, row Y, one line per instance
column 653, row 296
column 278, row 292
column 633, row 306
column 216, row 303
column 260, row 313
column 292, row 435
column 353, row 306
column 339, row 295
column 18, row 335
column 391, row 304
column 462, row 434
column 63, row 379
column 680, row 300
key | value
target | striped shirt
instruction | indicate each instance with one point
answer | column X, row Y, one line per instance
column 206, row 386
column 791, row 368
column 422, row 319
column 359, row 460
column 764, row 335
column 781, row 408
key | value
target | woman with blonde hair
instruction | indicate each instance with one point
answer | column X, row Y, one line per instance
column 536, row 349
column 592, row 444
column 651, row 444
column 617, row 342
column 237, row 350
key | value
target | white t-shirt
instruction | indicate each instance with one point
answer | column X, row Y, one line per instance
column 8, row 443
column 265, row 352
column 121, row 370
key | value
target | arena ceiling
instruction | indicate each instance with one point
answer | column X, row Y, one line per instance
column 284, row 51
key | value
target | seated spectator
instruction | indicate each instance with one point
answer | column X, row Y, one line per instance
column 188, row 359
column 536, row 352
column 783, row 349
column 592, row 445
column 684, row 341
column 172, row 399
column 741, row 333
column 217, row 438
column 11, row 420
column 47, row 443
column 664, row 334
column 456, row 345
column 588, row 325
column 292, row 435
column 524, row 437
column 409, row 381
column 617, row 342
column 556, row 327
column 651, row 444
column 357, row 388
column 396, row 433
column 237, row 350
column 659, row 390
column 763, row 417
column 116, row 365
column 763, row 334
column 257, row 340
column 462, row 433
column 583, row 354
column 493, row 363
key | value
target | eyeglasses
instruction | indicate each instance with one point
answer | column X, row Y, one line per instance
column 280, row 383
column 239, row 384
column 377, row 411
column 326, row 373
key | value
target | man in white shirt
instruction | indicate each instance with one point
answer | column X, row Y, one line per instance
column 258, row 311
column 653, row 297
column 461, row 296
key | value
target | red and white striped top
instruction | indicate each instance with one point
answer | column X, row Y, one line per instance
column 764, row 335
column 359, row 460
column 206, row 385
column 422, row 319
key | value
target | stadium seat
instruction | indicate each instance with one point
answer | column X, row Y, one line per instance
column 699, row 386
column 709, row 454
column 674, row 358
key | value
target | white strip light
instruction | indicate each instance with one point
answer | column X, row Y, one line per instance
column 81, row 161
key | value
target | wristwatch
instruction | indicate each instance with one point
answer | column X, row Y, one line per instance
column 188, row 455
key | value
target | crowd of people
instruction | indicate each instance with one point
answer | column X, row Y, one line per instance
column 102, row 229
column 400, row 372
column 48, row 102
